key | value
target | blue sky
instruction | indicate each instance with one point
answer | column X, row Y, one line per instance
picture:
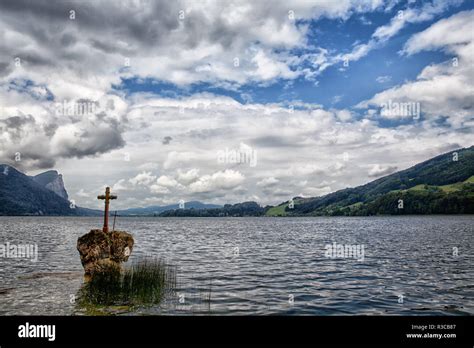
column 333, row 88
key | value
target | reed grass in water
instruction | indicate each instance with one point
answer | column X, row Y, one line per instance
column 145, row 282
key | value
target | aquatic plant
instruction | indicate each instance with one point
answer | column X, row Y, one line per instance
column 146, row 282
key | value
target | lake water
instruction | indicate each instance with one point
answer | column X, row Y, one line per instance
column 412, row 265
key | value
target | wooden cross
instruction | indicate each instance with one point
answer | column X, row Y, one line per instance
column 107, row 197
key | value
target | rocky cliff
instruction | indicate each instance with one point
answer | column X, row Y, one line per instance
column 53, row 181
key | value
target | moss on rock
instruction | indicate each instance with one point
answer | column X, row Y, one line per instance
column 103, row 252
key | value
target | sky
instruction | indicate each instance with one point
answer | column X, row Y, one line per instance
column 231, row 101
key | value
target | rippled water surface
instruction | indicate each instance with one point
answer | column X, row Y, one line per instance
column 260, row 265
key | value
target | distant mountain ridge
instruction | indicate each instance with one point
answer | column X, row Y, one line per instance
column 45, row 194
column 441, row 185
column 239, row 209
column 157, row 209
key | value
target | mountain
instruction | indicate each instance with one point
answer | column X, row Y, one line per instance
column 43, row 194
column 156, row 210
column 239, row 209
column 53, row 181
column 441, row 185
column 22, row 195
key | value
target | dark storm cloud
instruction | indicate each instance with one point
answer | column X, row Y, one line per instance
column 275, row 141
column 47, row 10
column 12, row 132
column 107, row 47
column 16, row 122
column 220, row 33
column 41, row 142
column 147, row 24
column 68, row 39
column 5, row 68
column 50, row 129
column 13, row 126
column 208, row 133
column 104, row 33
column 33, row 59
column 30, row 160
column 166, row 140
column 93, row 142
column 49, row 23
